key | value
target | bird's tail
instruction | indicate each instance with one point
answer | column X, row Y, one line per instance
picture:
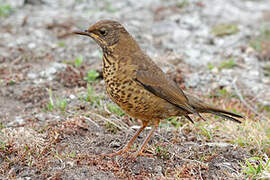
column 202, row 107
column 225, row 114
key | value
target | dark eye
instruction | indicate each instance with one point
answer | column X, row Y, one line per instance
column 102, row 32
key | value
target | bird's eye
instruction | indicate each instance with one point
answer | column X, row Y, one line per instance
column 102, row 32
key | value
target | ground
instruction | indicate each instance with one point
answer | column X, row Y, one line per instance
column 56, row 119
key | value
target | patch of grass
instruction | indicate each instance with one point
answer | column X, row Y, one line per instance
column 207, row 133
column 210, row 66
column 181, row 4
column 79, row 1
column 92, row 97
column 90, row 93
column 61, row 44
column 1, row 125
column 109, row 8
column 251, row 135
column 11, row 82
column 175, row 122
column 223, row 93
column 5, row 10
column 56, row 103
column 72, row 155
column 227, row 64
column 115, row 109
column 258, row 42
column 263, row 108
column 78, row 61
column 256, row 168
column 26, row 147
column 111, row 127
column 225, row 29
column 61, row 104
column 162, row 151
column 18, row 153
column 50, row 105
column 266, row 69
column 96, row 100
column 241, row 141
column 3, row 146
column 92, row 76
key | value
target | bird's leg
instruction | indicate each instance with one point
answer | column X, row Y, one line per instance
column 140, row 150
column 126, row 148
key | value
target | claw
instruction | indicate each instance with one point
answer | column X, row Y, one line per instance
column 126, row 148
column 115, row 154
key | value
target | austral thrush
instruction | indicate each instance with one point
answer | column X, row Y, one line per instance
column 136, row 84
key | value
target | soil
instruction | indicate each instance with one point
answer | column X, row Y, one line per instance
column 53, row 126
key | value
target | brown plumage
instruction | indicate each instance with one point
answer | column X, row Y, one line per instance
column 136, row 84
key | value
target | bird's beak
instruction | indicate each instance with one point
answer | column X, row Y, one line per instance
column 84, row 33
column 87, row 33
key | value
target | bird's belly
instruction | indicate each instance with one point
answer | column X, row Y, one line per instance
column 137, row 101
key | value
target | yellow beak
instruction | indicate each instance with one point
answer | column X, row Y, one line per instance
column 86, row 33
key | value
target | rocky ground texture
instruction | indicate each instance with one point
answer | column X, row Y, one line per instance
column 56, row 119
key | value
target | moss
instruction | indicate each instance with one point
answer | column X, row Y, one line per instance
column 225, row 29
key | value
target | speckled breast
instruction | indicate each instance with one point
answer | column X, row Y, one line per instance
column 123, row 90
column 130, row 96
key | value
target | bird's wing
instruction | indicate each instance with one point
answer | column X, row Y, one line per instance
column 153, row 79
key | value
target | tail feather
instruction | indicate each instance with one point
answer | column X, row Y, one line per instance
column 227, row 112
column 221, row 114
column 189, row 119
column 202, row 107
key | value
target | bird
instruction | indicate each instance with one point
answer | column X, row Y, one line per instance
column 139, row 87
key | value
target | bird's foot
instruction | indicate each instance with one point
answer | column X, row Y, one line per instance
column 114, row 154
column 133, row 156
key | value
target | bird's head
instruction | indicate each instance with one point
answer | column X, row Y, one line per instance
column 106, row 33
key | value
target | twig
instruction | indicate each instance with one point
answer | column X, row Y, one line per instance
column 89, row 119
column 241, row 97
column 244, row 102
column 108, row 120
column 106, row 109
column 120, row 122
column 226, row 166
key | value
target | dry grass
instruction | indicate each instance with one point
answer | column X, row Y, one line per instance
column 253, row 134
column 38, row 147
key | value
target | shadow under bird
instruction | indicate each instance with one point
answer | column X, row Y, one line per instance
column 137, row 85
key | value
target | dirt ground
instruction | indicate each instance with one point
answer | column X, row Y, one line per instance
column 56, row 119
